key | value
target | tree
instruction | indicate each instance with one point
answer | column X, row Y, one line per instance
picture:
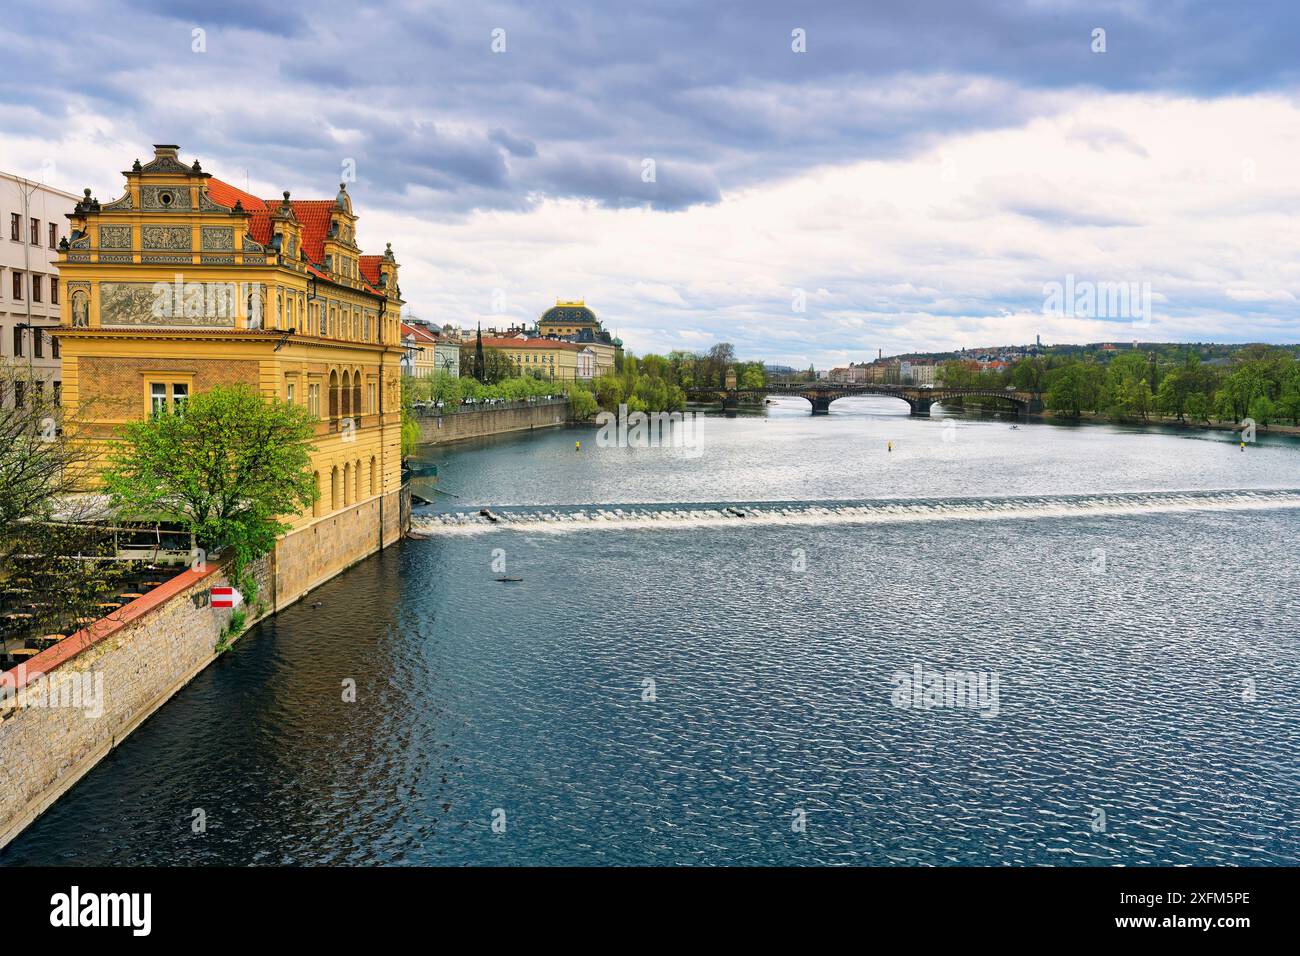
column 751, row 375
column 225, row 467
column 1070, row 391
column 1262, row 410
column 46, row 528
column 720, row 357
column 496, row 365
column 582, row 404
column 1028, row 375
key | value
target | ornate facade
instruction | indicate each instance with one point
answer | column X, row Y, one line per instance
column 185, row 282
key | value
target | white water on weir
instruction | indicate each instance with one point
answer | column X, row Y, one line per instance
column 737, row 514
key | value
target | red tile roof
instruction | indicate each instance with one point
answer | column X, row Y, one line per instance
column 419, row 333
column 312, row 214
column 227, row 195
column 369, row 266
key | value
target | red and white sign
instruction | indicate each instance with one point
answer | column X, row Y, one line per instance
column 226, row 597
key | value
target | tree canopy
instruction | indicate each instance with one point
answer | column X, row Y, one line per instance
column 226, row 466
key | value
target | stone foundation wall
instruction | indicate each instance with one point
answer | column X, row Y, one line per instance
column 119, row 672
column 313, row 554
column 440, row 429
column 123, row 668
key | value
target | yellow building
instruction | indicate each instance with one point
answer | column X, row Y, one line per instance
column 548, row 358
column 575, row 322
column 185, row 282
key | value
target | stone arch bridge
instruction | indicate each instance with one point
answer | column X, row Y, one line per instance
column 820, row 395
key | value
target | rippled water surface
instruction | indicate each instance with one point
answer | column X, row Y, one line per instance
column 685, row 694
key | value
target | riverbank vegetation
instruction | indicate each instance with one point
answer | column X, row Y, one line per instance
column 649, row 383
column 1259, row 382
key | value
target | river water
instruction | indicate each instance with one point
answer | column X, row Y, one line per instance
column 670, row 683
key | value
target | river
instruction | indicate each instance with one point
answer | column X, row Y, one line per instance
column 693, row 687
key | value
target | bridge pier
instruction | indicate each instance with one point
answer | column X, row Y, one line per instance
column 920, row 406
column 821, row 404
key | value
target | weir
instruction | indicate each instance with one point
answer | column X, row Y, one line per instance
column 561, row 519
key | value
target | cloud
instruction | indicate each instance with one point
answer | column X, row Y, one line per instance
column 920, row 171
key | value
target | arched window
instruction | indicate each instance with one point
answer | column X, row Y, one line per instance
column 356, row 394
column 316, row 505
column 334, row 488
column 345, row 397
column 334, row 396
column 374, row 477
column 356, row 481
column 347, row 483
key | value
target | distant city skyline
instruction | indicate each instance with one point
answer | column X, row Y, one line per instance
column 915, row 181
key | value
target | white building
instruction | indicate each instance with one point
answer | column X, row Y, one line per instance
column 34, row 219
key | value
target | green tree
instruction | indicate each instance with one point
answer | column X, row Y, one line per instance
column 225, row 467
column 1071, row 391
column 1262, row 410
column 582, row 404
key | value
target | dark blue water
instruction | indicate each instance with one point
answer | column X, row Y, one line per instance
column 1147, row 708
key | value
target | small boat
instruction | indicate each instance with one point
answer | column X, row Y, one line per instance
column 736, row 513
column 1015, row 428
column 489, row 515
column 504, row 580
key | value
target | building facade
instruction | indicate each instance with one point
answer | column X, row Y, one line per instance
column 558, row 359
column 34, row 217
column 573, row 321
column 185, row 282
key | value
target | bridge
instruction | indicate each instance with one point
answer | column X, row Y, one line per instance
column 821, row 394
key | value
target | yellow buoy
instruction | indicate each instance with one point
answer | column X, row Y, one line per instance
column 577, row 446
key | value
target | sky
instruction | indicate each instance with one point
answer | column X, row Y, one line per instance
column 812, row 182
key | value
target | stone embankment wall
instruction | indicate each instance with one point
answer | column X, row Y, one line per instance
column 440, row 426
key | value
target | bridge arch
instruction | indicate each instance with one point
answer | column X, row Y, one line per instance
column 822, row 399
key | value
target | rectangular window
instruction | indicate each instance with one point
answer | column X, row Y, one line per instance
column 54, row 235
column 157, row 398
column 18, row 342
column 20, row 394
column 288, row 392
column 54, row 346
column 313, row 400
column 54, row 290
column 180, row 394
column 58, row 386
column 38, row 343
column 15, row 227
column 35, row 232
column 18, row 286
column 36, row 288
